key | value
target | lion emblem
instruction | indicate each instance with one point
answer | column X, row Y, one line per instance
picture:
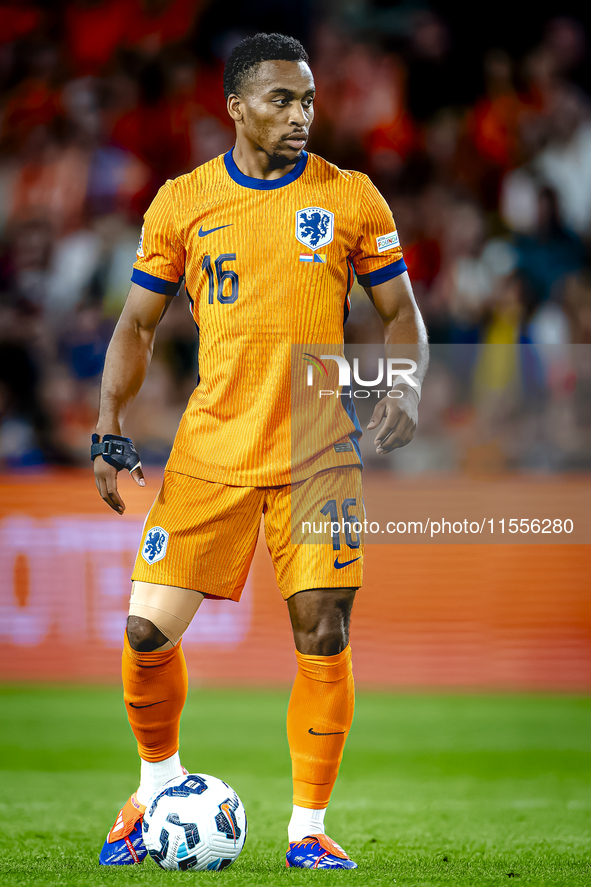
column 155, row 544
column 314, row 226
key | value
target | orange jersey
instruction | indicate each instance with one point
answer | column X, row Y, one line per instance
column 267, row 264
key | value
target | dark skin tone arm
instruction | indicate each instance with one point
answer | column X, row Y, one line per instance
column 405, row 336
column 126, row 364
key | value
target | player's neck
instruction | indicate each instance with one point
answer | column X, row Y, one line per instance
column 258, row 165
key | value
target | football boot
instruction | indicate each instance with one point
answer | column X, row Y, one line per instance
column 125, row 842
column 317, row 852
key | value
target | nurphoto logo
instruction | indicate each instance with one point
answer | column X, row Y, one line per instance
column 393, row 370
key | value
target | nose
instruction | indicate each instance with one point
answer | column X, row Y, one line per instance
column 298, row 115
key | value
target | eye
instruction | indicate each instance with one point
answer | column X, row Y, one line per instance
column 282, row 102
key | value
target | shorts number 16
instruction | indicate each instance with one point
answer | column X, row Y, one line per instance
column 349, row 521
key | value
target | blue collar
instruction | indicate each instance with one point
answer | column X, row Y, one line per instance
column 264, row 184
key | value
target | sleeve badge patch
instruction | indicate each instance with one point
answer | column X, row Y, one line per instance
column 388, row 241
column 140, row 246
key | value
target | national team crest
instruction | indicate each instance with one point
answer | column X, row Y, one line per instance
column 155, row 543
column 314, row 226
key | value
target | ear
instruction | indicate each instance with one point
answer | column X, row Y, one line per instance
column 235, row 106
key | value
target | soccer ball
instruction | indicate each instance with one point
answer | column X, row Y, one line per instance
column 195, row 822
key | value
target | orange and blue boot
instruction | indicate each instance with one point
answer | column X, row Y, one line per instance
column 125, row 842
column 317, row 852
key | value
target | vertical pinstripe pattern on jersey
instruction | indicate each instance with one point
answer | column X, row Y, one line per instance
column 237, row 426
column 162, row 245
column 304, row 561
column 212, row 532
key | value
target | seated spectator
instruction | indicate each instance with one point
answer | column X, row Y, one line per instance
column 18, row 19
column 94, row 29
column 51, row 181
column 157, row 24
column 495, row 117
column 34, row 101
column 565, row 164
column 551, row 252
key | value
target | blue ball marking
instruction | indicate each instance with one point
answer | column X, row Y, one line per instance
column 192, row 785
column 160, row 855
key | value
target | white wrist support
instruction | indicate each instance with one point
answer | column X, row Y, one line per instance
column 400, row 380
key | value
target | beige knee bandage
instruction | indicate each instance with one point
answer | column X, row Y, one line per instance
column 169, row 608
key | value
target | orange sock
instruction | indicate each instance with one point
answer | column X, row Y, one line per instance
column 318, row 721
column 154, row 689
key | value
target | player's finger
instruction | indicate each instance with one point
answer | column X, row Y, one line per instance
column 101, row 485
column 394, row 435
column 111, row 502
column 102, row 474
column 377, row 415
column 388, row 428
column 138, row 476
column 106, row 481
column 112, row 496
column 400, row 436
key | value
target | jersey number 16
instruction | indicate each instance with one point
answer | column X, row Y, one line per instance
column 221, row 276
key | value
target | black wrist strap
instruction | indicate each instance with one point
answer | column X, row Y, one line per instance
column 116, row 451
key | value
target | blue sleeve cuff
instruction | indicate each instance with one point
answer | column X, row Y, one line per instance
column 156, row 284
column 381, row 275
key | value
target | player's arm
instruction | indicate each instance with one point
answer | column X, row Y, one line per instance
column 405, row 337
column 126, row 364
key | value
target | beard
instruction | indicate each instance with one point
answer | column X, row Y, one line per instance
column 278, row 160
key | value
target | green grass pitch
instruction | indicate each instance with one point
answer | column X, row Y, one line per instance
column 434, row 789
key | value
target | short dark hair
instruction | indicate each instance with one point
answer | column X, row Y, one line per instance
column 252, row 51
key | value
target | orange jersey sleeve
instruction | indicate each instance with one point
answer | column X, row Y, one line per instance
column 160, row 264
column 377, row 255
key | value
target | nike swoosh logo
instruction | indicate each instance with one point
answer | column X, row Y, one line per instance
column 314, row 733
column 339, row 566
column 203, row 233
column 149, row 705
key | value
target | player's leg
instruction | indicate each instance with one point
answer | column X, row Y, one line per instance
column 319, row 581
column 155, row 677
column 322, row 701
column 154, row 689
column 198, row 540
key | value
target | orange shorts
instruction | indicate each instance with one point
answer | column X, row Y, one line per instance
column 202, row 535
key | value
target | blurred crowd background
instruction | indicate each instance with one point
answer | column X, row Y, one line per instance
column 478, row 132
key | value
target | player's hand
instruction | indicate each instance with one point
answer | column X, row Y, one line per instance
column 105, row 477
column 399, row 417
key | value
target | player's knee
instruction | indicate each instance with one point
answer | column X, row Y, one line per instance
column 320, row 620
column 143, row 635
column 323, row 640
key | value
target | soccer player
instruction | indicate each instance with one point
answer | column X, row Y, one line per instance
column 266, row 238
